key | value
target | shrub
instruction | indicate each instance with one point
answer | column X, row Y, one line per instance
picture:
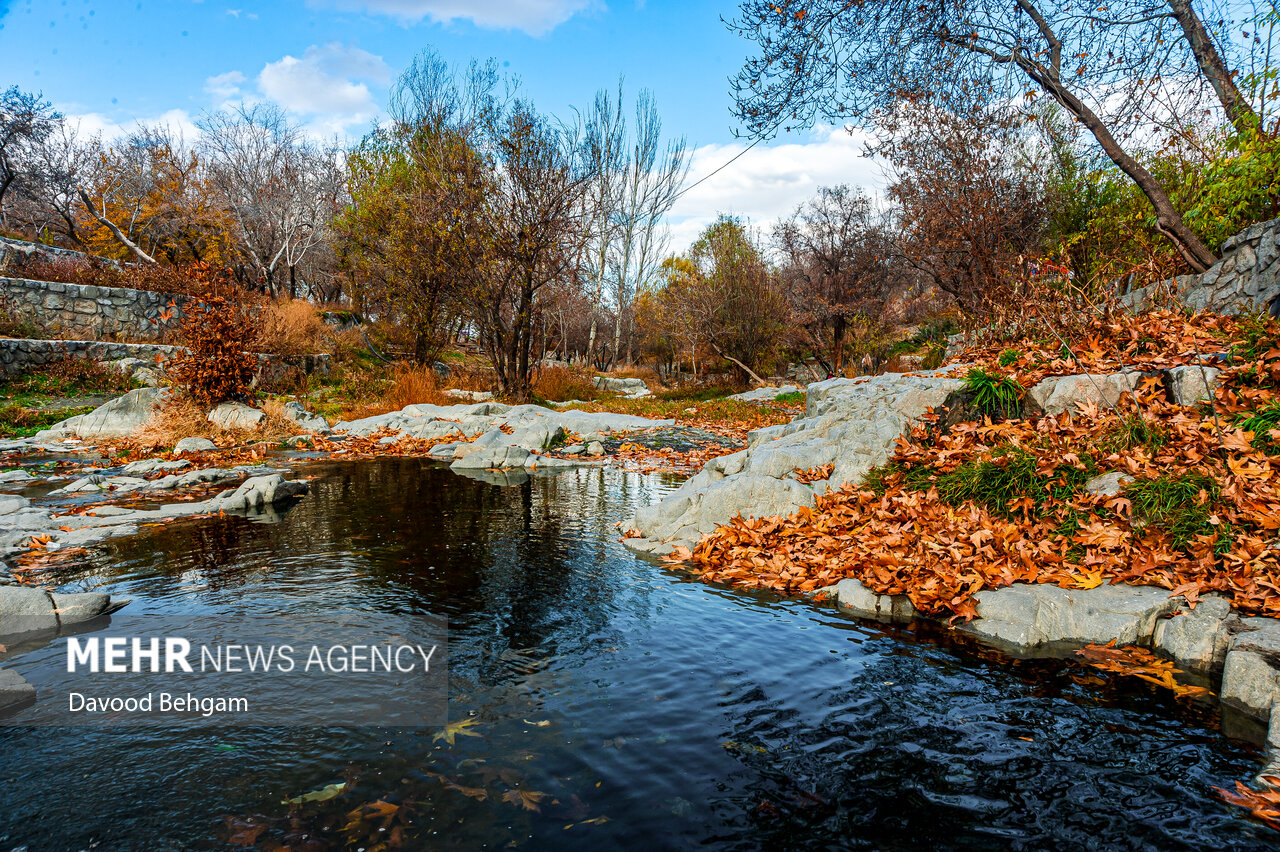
column 562, row 383
column 218, row 331
column 993, row 395
column 290, row 327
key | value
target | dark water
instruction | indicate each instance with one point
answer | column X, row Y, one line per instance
column 632, row 708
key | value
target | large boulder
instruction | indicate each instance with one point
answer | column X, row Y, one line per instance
column 1191, row 384
column 259, row 491
column 1251, row 674
column 236, row 415
column 697, row 511
column 15, row 692
column 493, row 456
column 1057, row 394
column 1023, row 617
column 26, row 610
column 1197, row 639
column 296, row 414
column 194, row 445
column 116, row 419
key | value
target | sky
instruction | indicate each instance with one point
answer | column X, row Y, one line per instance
column 109, row 64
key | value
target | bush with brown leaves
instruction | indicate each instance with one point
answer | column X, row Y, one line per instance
column 218, row 331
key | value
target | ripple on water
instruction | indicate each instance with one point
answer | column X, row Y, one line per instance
column 685, row 715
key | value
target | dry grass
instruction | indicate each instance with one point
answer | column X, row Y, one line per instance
column 291, row 327
column 637, row 371
column 181, row 417
column 561, row 383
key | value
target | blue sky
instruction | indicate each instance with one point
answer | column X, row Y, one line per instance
column 111, row 63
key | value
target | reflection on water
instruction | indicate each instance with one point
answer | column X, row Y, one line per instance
column 600, row 702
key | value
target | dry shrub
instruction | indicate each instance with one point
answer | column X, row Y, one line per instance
column 96, row 272
column 637, row 371
column 414, row 385
column 181, row 417
column 561, row 383
column 218, row 331
column 290, row 327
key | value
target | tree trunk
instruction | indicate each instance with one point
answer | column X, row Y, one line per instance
column 115, row 231
column 741, row 365
column 1238, row 110
column 837, row 352
column 1169, row 221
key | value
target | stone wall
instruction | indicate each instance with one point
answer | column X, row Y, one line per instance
column 102, row 313
column 20, row 356
column 1247, row 278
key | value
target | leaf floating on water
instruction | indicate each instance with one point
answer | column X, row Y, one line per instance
column 1140, row 663
column 1264, row 805
column 324, row 794
column 527, row 799
column 600, row 820
column 244, row 831
column 477, row 793
column 456, row 729
column 544, row 723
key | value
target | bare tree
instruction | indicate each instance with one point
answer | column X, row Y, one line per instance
column 836, row 252
column 26, row 121
column 604, row 142
column 852, row 60
column 650, row 184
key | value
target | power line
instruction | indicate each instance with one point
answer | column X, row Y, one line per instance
column 707, row 177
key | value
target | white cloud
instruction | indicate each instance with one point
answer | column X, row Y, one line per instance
column 769, row 181
column 328, row 85
column 95, row 123
column 535, row 17
column 224, row 87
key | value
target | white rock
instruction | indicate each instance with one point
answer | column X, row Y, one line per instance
column 1057, row 394
column 235, row 415
column 1189, row 385
column 115, row 419
column 1029, row 616
column 194, row 445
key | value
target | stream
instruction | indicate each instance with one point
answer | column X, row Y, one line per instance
column 612, row 703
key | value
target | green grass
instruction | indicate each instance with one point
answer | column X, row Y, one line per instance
column 994, row 395
column 699, row 395
column 1181, row 506
column 1135, row 431
column 1008, row 475
column 17, row 421
column 1008, row 357
column 1260, row 422
column 791, row 397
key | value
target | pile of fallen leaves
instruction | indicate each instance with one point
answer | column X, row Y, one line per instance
column 635, row 456
column 905, row 530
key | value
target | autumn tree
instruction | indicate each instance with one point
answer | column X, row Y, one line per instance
column 1104, row 65
column 970, row 204
column 836, row 252
column 416, row 233
column 727, row 297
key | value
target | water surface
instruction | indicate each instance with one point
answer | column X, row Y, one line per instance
column 615, row 704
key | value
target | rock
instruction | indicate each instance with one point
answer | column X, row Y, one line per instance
column 442, row 370
column 1189, row 385
column 766, row 394
column 15, row 476
column 539, row 436
column 493, row 457
column 127, row 366
column 474, row 396
column 149, row 376
column 143, row 467
column 15, row 692
column 573, row 449
column 116, row 419
column 595, row 448
column 1197, row 639
column 861, row 601
column 1030, row 616
column 10, row 503
column 692, row 512
column 433, row 430
column 25, row 610
column 295, row 413
column 194, row 445
column 1251, row 674
column 235, row 415
column 1057, row 394
column 623, row 386
column 259, row 491
column 80, row 606
column 1107, row 484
